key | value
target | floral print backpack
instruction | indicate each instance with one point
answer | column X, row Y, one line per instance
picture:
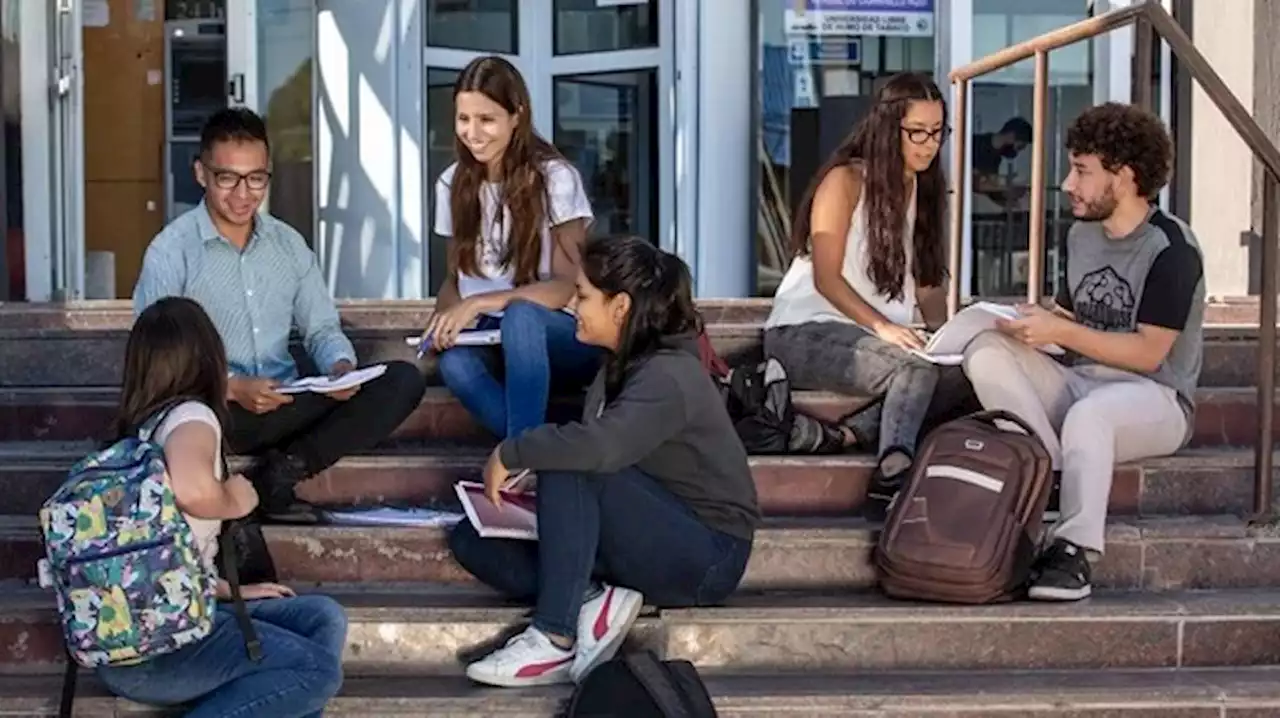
column 122, row 559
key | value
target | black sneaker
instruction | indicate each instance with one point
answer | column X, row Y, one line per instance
column 1062, row 574
column 883, row 488
column 274, row 476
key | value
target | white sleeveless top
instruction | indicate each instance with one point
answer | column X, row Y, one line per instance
column 798, row 300
column 204, row 531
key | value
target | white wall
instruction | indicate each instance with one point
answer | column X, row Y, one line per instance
column 1221, row 213
column 358, row 169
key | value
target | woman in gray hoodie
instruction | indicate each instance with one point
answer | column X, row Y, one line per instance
column 648, row 496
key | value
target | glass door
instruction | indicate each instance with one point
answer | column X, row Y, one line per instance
column 607, row 61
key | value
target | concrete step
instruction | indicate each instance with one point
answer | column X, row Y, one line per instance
column 1153, row 554
column 409, row 313
column 403, row 631
column 71, row 356
column 1224, row 416
column 1192, row 482
column 1185, row 693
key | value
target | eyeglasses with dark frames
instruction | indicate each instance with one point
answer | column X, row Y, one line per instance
column 920, row 136
column 224, row 178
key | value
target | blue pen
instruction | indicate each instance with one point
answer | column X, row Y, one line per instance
column 424, row 346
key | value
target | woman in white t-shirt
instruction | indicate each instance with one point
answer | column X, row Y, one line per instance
column 869, row 252
column 515, row 215
column 174, row 354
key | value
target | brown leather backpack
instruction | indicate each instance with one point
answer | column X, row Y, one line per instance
column 966, row 525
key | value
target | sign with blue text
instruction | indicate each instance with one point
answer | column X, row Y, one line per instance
column 891, row 18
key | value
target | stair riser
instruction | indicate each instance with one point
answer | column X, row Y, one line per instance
column 1223, row 418
column 784, row 488
column 781, row 559
column 530, row 707
column 1066, row 642
column 93, row 358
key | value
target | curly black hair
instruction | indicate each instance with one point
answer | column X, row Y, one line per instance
column 1123, row 135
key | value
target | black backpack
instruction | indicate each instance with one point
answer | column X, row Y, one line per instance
column 638, row 685
column 758, row 398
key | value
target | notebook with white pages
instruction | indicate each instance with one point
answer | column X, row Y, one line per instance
column 947, row 345
column 329, row 385
column 517, row 518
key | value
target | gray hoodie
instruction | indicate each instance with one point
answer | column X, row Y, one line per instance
column 668, row 421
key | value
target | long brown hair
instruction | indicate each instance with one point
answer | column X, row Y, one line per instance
column 173, row 353
column 876, row 145
column 524, row 186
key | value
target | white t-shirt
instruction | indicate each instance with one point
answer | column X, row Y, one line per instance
column 205, row 531
column 567, row 202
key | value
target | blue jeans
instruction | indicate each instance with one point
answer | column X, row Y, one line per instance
column 622, row 528
column 300, row 670
column 536, row 343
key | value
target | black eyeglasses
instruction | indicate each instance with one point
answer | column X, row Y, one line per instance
column 920, row 137
column 229, row 179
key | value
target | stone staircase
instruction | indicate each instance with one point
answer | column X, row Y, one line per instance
column 1186, row 623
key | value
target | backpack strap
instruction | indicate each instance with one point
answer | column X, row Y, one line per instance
column 68, row 687
column 148, row 427
column 649, row 671
column 252, row 644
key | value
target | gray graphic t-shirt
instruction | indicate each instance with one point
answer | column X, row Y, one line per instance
column 1153, row 276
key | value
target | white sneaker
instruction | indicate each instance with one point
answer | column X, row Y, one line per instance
column 603, row 624
column 528, row 659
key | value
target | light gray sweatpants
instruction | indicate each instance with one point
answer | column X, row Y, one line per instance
column 1090, row 418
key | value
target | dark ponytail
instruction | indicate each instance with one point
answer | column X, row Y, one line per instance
column 661, row 291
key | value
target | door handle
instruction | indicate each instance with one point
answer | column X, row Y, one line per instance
column 235, row 88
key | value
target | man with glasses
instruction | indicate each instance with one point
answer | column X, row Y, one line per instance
column 258, row 279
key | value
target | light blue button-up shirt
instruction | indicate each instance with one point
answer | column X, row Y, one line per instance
column 254, row 296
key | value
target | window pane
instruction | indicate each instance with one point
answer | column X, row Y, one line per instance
column 812, row 90
column 481, row 25
column 1001, row 168
column 285, row 51
column 606, row 124
column 440, row 155
column 593, row 26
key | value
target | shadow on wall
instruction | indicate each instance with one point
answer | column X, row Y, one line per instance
column 361, row 235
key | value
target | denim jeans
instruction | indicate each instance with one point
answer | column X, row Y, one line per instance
column 911, row 394
column 623, row 528
column 301, row 667
column 538, row 344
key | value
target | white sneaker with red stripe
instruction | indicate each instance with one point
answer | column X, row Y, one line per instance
column 528, row 659
column 603, row 624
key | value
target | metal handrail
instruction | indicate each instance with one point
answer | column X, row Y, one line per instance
column 1150, row 18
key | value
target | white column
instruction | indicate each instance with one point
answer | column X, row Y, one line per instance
column 687, row 105
column 726, row 151
column 954, row 38
column 37, row 160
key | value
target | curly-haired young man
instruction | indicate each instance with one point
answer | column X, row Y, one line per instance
column 1130, row 316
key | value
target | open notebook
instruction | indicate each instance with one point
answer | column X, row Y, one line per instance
column 326, row 385
column 947, row 345
column 516, row 519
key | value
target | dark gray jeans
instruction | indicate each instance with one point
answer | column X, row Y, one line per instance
column 912, row 395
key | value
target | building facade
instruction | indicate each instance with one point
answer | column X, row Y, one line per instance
column 695, row 123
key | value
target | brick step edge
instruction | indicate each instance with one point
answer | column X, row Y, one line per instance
column 399, row 632
column 1224, row 416
column 1229, row 693
column 1157, row 555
